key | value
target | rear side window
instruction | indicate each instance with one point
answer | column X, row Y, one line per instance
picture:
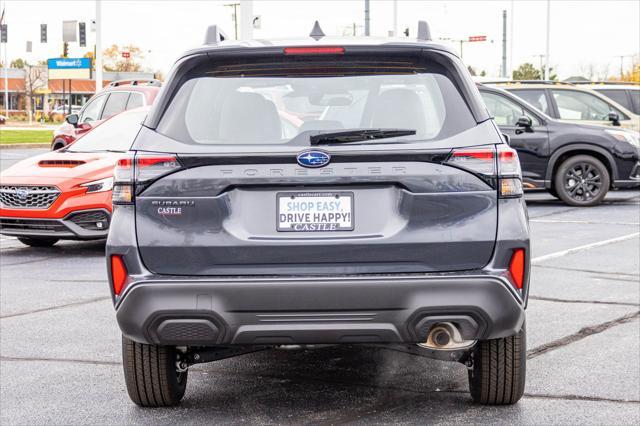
column 535, row 98
column 619, row 96
column 273, row 103
column 116, row 103
column 135, row 100
column 576, row 105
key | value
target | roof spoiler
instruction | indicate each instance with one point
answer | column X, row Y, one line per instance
column 214, row 35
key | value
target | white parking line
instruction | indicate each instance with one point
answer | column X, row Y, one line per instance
column 584, row 247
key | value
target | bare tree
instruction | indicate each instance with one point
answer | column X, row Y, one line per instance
column 35, row 79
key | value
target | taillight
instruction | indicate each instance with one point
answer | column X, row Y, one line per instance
column 500, row 165
column 118, row 274
column 138, row 171
column 516, row 268
column 320, row 50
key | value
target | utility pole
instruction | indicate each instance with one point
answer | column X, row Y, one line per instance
column 367, row 29
column 246, row 19
column 235, row 17
column 511, row 39
column 546, row 66
column 622, row 63
column 504, row 44
column 98, row 51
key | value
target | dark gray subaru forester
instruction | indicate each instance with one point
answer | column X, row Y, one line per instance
column 319, row 191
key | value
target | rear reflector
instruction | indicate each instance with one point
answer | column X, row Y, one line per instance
column 516, row 267
column 118, row 274
column 325, row 50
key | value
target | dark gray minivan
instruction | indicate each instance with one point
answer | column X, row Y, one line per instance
column 319, row 191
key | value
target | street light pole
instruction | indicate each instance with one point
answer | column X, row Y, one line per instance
column 6, row 66
column 546, row 66
column 98, row 45
column 367, row 30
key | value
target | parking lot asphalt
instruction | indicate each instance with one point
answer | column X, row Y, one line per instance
column 60, row 346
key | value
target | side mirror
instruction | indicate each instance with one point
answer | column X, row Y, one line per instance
column 72, row 119
column 614, row 118
column 525, row 122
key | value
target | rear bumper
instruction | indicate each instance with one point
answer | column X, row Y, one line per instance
column 314, row 310
column 77, row 225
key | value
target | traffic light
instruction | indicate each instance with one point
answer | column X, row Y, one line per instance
column 406, row 32
column 43, row 33
column 83, row 34
column 65, row 49
column 3, row 33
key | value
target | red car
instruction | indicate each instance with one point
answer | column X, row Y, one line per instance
column 66, row 194
column 118, row 96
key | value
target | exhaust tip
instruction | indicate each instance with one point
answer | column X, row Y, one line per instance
column 441, row 337
column 445, row 336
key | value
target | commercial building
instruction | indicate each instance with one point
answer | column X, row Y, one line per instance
column 51, row 94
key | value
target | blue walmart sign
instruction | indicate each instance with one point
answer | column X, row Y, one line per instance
column 69, row 63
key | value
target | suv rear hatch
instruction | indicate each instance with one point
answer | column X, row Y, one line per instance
column 223, row 186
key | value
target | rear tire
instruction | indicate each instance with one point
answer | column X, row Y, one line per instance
column 499, row 370
column 151, row 375
column 38, row 242
column 582, row 181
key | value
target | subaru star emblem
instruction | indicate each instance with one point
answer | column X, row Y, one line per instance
column 313, row 158
column 22, row 193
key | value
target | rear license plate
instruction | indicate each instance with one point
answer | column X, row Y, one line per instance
column 314, row 211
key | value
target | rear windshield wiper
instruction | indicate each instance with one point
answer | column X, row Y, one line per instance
column 358, row 135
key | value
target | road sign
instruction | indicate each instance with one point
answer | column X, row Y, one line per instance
column 126, row 55
column 69, row 68
column 477, row 38
column 69, row 30
column 43, row 33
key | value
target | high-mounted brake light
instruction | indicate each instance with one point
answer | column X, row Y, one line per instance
column 324, row 50
column 516, row 268
column 118, row 274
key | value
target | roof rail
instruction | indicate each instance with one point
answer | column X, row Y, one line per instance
column 424, row 33
column 136, row 82
column 549, row 82
column 624, row 83
column 214, row 35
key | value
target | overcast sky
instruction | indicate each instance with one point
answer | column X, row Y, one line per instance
column 583, row 33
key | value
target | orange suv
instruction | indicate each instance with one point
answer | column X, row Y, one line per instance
column 118, row 96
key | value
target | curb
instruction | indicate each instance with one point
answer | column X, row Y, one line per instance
column 24, row 145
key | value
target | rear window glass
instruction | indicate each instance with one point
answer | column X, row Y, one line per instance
column 274, row 103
